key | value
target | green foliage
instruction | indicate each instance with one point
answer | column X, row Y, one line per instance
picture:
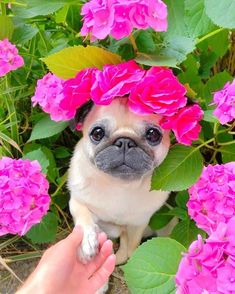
column 198, row 45
column 181, row 168
column 153, row 266
column 45, row 231
column 46, row 128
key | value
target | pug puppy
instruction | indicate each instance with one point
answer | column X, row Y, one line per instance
column 110, row 174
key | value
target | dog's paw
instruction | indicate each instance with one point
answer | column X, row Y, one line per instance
column 90, row 244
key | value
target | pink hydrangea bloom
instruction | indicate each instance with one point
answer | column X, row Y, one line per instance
column 77, row 91
column 212, row 197
column 49, row 95
column 9, row 57
column 24, row 198
column 114, row 81
column 158, row 92
column 209, row 267
column 185, row 124
column 119, row 17
column 225, row 103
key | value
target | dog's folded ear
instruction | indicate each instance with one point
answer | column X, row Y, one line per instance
column 80, row 116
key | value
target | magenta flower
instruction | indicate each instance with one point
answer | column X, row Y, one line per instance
column 77, row 91
column 225, row 103
column 158, row 92
column 24, row 198
column 119, row 17
column 9, row 57
column 212, row 197
column 115, row 81
column 49, row 95
column 209, row 267
column 185, row 124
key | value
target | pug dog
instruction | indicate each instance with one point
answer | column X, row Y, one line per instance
column 110, row 174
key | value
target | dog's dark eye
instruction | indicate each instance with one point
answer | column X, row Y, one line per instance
column 153, row 136
column 97, row 134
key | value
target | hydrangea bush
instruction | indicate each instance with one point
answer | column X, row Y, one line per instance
column 172, row 58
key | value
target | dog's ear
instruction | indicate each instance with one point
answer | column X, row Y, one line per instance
column 80, row 115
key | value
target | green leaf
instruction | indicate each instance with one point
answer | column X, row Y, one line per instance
column 66, row 63
column 62, row 152
column 160, row 219
column 156, row 60
column 38, row 7
column 24, row 33
column 45, row 231
column 40, row 157
column 208, row 116
column 6, row 27
column 153, row 266
column 47, row 128
column 182, row 199
column 218, row 43
column 181, row 168
column 145, row 43
column 228, row 153
column 178, row 47
column 197, row 22
column 185, row 232
column 222, row 13
column 176, row 22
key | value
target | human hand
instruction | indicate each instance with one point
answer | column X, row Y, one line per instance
column 59, row 270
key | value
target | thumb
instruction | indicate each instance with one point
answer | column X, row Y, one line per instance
column 75, row 238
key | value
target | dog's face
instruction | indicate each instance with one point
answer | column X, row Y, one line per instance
column 123, row 144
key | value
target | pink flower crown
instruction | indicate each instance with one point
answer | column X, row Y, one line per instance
column 156, row 90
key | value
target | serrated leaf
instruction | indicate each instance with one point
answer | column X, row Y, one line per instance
column 24, row 33
column 178, row 47
column 153, row 266
column 67, row 62
column 40, row 157
column 228, row 153
column 197, row 22
column 45, row 231
column 181, row 168
column 144, row 42
column 185, row 232
column 176, row 22
column 6, row 27
column 222, row 13
column 46, row 128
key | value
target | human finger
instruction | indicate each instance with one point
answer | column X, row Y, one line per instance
column 105, row 251
column 101, row 276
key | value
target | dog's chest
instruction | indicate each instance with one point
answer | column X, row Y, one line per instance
column 121, row 204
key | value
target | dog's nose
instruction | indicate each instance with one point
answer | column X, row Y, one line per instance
column 125, row 143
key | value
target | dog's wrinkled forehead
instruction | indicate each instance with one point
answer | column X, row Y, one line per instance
column 117, row 118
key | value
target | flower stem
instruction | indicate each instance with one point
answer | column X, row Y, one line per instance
column 3, row 9
column 227, row 143
column 210, row 35
column 132, row 39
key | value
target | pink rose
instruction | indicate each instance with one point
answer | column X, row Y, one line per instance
column 77, row 91
column 114, row 81
column 158, row 92
column 185, row 124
